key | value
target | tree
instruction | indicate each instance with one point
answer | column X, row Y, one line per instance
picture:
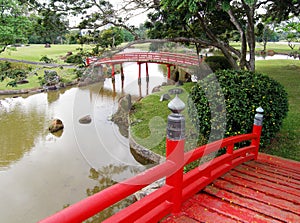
column 214, row 22
column 264, row 34
column 203, row 23
column 13, row 23
column 50, row 26
column 111, row 37
column 291, row 29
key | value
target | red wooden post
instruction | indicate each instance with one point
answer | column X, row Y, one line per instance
column 169, row 70
column 122, row 72
column 88, row 61
column 175, row 150
column 257, row 127
column 147, row 73
column 122, row 76
column 139, row 78
column 113, row 73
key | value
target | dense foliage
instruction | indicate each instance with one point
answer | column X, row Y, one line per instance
column 13, row 23
column 223, row 104
column 218, row 62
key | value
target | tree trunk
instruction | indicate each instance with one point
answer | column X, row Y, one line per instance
column 229, row 57
column 250, row 34
column 243, row 59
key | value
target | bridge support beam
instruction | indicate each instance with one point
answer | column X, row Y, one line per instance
column 147, row 73
column 122, row 72
column 169, row 70
column 140, row 73
column 122, row 76
column 113, row 73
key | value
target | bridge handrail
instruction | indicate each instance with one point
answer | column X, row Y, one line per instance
column 178, row 186
column 162, row 57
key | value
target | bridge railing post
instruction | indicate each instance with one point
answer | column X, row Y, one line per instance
column 175, row 150
column 257, row 128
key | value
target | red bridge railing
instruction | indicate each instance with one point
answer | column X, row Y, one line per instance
column 161, row 57
column 178, row 186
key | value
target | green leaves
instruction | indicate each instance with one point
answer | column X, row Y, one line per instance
column 242, row 92
column 14, row 73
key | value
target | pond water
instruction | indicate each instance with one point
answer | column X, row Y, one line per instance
column 41, row 173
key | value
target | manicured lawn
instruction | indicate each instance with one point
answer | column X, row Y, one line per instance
column 278, row 47
column 36, row 51
column 286, row 72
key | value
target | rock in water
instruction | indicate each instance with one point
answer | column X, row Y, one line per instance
column 56, row 125
column 85, row 120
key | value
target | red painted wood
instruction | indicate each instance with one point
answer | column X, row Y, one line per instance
column 283, row 163
column 165, row 58
column 260, row 181
column 253, row 205
column 257, row 195
column 215, row 146
column 179, row 219
column 169, row 71
column 265, row 175
column 284, row 195
column 241, row 197
column 153, row 204
column 174, row 153
column 202, row 214
column 231, row 210
column 275, row 170
column 277, row 176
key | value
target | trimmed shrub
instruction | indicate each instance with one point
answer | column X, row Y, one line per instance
column 223, row 104
column 218, row 63
column 76, row 59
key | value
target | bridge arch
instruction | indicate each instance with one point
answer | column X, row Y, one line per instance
column 169, row 59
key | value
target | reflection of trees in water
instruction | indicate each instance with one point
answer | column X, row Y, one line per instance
column 104, row 178
column 53, row 96
column 18, row 132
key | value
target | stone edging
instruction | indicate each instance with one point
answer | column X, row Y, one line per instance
column 144, row 152
column 35, row 90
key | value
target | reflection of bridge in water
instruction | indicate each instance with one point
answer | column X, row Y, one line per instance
column 169, row 59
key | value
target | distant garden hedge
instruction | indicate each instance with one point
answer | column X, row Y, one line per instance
column 218, row 63
column 224, row 103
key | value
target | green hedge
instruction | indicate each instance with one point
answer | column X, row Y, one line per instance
column 218, row 63
column 224, row 103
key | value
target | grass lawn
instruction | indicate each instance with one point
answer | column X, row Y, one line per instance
column 36, row 51
column 150, row 115
column 66, row 74
column 286, row 72
column 278, row 47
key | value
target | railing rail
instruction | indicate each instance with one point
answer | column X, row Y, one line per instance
column 161, row 57
column 178, row 186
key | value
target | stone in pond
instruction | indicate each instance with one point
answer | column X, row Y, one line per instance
column 56, row 125
column 85, row 120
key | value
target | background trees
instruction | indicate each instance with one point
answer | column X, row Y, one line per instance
column 215, row 23
column 13, row 23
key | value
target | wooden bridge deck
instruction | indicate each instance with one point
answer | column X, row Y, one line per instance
column 265, row 190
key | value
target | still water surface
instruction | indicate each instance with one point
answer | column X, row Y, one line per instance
column 41, row 173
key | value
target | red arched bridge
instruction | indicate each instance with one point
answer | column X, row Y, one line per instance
column 170, row 59
column 241, row 185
